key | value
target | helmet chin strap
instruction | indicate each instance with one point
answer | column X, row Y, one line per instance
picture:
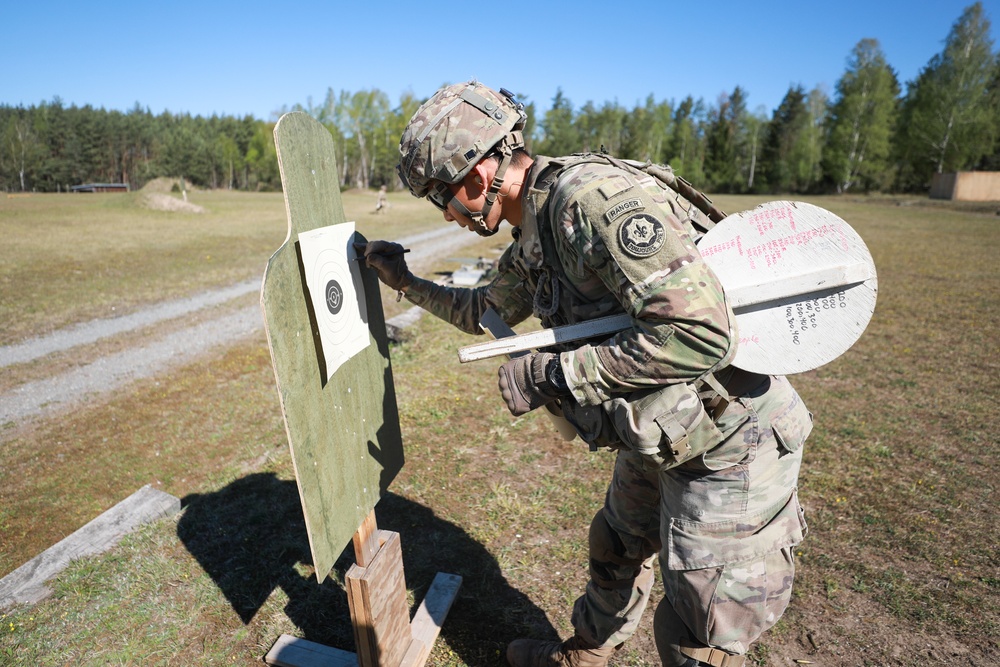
column 480, row 228
column 479, row 217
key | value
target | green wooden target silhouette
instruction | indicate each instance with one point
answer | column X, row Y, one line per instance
column 343, row 432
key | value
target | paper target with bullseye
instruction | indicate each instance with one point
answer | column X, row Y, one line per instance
column 336, row 291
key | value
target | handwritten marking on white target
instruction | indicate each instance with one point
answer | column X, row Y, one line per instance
column 336, row 292
column 800, row 280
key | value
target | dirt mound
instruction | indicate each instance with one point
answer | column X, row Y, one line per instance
column 166, row 184
column 163, row 202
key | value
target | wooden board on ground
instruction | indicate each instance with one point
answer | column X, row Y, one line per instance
column 26, row 584
column 291, row 651
column 344, row 433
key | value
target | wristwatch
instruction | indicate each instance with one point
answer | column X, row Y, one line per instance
column 554, row 375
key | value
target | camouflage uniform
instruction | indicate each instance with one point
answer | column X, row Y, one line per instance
column 711, row 491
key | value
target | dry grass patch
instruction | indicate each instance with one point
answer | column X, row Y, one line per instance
column 176, row 432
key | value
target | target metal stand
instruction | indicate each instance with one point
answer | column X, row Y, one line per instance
column 343, row 428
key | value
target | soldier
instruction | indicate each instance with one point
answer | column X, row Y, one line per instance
column 707, row 455
column 382, row 201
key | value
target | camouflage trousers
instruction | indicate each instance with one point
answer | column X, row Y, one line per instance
column 723, row 525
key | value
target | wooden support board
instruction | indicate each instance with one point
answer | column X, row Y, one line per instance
column 289, row 651
column 379, row 612
column 343, row 433
column 376, row 594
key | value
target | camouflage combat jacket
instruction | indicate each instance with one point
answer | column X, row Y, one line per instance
column 599, row 237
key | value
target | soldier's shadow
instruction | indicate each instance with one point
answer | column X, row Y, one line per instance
column 250, row 537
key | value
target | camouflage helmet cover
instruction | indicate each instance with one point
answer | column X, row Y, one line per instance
column 453, row 130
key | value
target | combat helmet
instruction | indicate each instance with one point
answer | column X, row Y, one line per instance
column 452, row 131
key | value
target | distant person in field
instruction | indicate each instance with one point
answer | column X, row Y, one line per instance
column 382, row 202
column 707, row 455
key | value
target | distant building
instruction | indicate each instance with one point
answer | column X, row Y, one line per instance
column 967, row 186
column 100, row 187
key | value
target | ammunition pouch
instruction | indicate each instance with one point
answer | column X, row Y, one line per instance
column 671, row 425
column 666, row 427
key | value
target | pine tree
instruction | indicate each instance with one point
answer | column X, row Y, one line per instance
column 687, row 144
column 727, row 144
column 784, row 131
column 720, row 149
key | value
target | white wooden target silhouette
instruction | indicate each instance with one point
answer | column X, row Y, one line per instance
column 800, row 280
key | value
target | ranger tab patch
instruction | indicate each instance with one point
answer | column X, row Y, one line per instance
column 620, row 209
column 641, row 235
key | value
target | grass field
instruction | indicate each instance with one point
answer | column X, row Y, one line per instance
column 900, row 566
column 70, row 258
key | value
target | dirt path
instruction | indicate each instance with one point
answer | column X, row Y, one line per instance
column 115, row 370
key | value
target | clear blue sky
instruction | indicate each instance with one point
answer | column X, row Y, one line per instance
column 251, row 57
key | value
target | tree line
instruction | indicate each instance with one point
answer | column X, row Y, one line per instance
column 868, row 136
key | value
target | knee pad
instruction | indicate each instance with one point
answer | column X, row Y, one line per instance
column 609, row 546
column 612, row 563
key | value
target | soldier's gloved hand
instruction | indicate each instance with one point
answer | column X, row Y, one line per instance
column 531, row 381
column 387, row 259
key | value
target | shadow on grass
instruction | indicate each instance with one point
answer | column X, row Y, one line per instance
column 250, row 537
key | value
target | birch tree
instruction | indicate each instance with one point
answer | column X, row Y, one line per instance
column 948, row 113
column 22, row 145
column 756, row 129
column 361, row 118
column 862, row 121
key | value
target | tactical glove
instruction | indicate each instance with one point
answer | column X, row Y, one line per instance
column 387, row 260
column 531, row 381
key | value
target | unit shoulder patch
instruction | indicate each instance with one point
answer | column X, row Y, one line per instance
column 621, row 208
column 641, row 235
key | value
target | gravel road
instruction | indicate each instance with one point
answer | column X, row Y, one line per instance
column 115, row 371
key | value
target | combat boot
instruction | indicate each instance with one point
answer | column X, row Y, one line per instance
column 574, row 652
